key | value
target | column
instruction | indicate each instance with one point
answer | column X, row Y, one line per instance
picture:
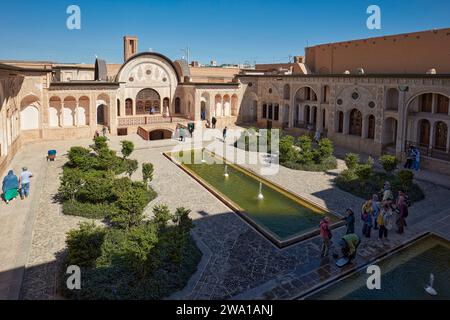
column 365, row 127
column 434, row 103
column 431, row 143
column 346, row 123
column 75, row 115
column 112, row 115
column 292, row 109
column 122, row 107
column 401, row 126
column 448, row 137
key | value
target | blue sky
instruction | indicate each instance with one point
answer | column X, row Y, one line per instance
column 229, row 31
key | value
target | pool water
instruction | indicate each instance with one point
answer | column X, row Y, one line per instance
column 404, row 275
column 279, row 213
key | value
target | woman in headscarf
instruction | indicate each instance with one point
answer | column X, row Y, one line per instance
column 10, row 186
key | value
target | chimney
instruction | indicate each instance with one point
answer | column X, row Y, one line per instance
column 298, row 59
column 130, row 47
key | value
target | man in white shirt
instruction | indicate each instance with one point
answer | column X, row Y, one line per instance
column 25, row 182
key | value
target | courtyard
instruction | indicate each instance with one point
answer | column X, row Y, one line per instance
column 237, row 263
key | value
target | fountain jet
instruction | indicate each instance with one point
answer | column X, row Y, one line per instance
column 260, row 195
column 429, row 288
column 226, row 172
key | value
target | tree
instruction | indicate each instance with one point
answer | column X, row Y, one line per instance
column 352, row 161
column 84, row 244
column 131, row 205
column 71, row 183
column 127, row 148
column 406, row 178
column 389, row 163
column 100, row 143
column 132, row 166
column 325, row 148
column 162, row 215
column 147, row 172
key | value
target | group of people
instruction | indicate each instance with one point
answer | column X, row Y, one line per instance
column 382, row 215
column 412, row 158
column 14, row 186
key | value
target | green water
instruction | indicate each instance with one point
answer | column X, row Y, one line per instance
column 403, row 275
column 277, row 213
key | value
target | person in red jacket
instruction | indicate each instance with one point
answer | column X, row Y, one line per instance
column 325, row 234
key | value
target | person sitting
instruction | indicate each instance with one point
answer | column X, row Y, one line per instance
column 349, row 244
column 10, row 187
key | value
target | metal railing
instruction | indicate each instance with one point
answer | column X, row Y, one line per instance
column 144, row 120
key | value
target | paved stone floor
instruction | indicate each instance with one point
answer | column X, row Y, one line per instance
column 237, row 263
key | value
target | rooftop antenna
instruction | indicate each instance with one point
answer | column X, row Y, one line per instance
column 187, row 51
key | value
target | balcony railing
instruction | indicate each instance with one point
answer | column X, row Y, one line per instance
column 145, row 120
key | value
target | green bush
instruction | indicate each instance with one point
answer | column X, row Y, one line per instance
column 100, row 143
column 72, row 181
column 132, row 166
column 97, row 187
column 88, row 210
column 141, row 262
column 406, row 178
column 147, row 172
column 84, row 245
column 162, row 215
column 81, row 158
column 127, row 148
column 352, row 160
column 389, row 163
column 325, row 148
column 131, row 205
column 363, row 172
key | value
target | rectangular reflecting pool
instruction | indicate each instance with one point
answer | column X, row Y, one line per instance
column 404, row 275
column 281, row 216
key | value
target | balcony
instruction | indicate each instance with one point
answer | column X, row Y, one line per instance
column 148, row 119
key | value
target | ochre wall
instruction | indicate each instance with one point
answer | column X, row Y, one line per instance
column 411, row 53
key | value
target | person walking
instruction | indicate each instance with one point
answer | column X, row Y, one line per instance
column 10, row 186
column 367, row 218
column 104, row 130
column 25, row 182
column 224, row 133
column 384, row 220
column 317, row 136
column 349, row 221
column 326, row 235
column 416, row 162
column 213, row 121
column 375, row 210
column 409, row 158
column 402, row 212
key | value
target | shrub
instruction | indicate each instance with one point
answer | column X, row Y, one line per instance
column 127, row 148
column 120, row 186
column 305, row 145
column 89, row 210
column 97, row 187
column 80, row 158
column 352, row 161
column 325, row 148
column 389, row 163
column 84, row 245
column 406, row 178
column 363, row 172
column 162, row 215
column 287, row 150
column 100, row 143
column 131, row 205
column 131, row 166
column 72, row 181
column 132, row 248
column 147, row 172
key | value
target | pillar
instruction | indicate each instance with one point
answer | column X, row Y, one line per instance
column 112, row 115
